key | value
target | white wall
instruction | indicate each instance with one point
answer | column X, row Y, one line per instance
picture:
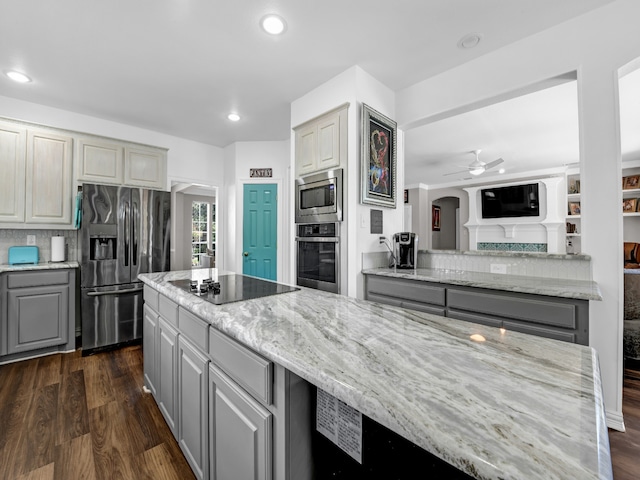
column 240, row 158
column 355, row 86
column 595, row 45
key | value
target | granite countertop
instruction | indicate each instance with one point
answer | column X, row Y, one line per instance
column 514, row 406
column 37, row 266
column 555, row 287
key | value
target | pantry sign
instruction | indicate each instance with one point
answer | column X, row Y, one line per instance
column 261, row 172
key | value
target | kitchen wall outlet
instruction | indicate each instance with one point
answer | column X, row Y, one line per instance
column 31, row 239
column 498, row 268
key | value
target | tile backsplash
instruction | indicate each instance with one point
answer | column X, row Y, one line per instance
column 557, row 266
column 11, row 237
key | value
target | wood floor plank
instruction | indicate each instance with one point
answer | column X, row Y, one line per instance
column 625, row 446
column 74, row 459
column 48, row 370
column 73, row 415
column 71, row 362
column 39, row 438
column 13, row 431
column 97, row 381
column 17, row 380
column 136, row 407
column 42, row 473
column 110, row 442
column 159, row 463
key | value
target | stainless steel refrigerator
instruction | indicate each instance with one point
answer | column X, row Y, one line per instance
column 124, row 232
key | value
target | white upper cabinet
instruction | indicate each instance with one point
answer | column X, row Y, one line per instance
column 99, row 161
column 36, row 180
column 48, row 178
column 145, row 167
column 13, row 141
column 321, row 144
column 119, row 163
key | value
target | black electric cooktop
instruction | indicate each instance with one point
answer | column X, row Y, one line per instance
column 232, row 288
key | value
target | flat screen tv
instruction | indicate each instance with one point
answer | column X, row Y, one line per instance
column 512, row 201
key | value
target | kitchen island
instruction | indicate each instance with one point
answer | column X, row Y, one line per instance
column 506, row 405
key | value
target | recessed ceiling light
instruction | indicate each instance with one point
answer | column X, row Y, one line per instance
column 273, row 24
column 502, row 170
column 234, row 117
column 469, row 41
column 18, row 77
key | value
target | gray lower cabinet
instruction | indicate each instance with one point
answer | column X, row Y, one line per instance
column 40, row 312
column 149, row 352
column 234, row 413
column 240, row 429
column 193, row 405
column 552, row 317
column 167, row 376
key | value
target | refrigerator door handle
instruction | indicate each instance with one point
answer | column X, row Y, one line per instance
column 136, row 219
column 114, row 292
column 127, row 228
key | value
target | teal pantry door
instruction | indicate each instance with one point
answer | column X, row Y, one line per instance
column 260, row 221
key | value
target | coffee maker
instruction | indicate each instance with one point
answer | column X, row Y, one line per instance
column 405, row 248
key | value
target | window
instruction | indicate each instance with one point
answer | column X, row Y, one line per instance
column 203, row 233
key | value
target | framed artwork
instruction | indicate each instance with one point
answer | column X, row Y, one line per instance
column 629, row 205
column 631, row 182
column 574, row 208
column 435, row 218
column 378, row 158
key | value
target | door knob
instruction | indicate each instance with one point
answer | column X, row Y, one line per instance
column 246, row 254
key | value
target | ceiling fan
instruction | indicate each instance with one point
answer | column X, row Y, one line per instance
column 477, row 167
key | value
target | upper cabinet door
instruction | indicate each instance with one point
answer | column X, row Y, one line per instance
column 306, row 150
column 48, row 179
column 99, row 161
column 145, row 167
column 13, row 141
column 329, row 142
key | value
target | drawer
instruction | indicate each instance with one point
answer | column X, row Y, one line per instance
column 151, row 297
column 526, row 308
column 474, row 318
column 36, row 278
column 417, row 291
column 253, row 372
column 541, row 331
column 424, row 307
column 168, row 310
column 194, row 329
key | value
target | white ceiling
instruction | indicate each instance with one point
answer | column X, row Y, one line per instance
column 535, row 133
column 179, row 66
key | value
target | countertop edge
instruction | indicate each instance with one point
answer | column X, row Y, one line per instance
column 506, row 283
column 25, row 267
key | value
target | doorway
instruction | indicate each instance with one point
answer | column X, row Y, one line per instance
column 260, row 230
column 446, row 234
column 194, row 226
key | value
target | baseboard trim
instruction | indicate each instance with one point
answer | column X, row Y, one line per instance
column 615, row 421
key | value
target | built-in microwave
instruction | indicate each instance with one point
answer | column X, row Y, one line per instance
column 319, row 197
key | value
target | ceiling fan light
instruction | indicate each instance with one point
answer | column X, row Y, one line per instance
column 476, row 170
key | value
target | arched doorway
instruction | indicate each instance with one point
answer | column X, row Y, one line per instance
column 445, row 225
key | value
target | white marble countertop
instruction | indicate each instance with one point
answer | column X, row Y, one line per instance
column 555, row 287
column 5, row 267
column 512, row 407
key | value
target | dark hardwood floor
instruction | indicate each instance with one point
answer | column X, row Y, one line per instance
column 625, row 447
column 71, row 417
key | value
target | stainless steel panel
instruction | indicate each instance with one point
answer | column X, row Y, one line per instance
column 111, row 315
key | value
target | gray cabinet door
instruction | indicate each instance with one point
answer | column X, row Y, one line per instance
column 149, row 339
column 240, row 432
column 167, row 375
column 37, row 317
column 193, row 405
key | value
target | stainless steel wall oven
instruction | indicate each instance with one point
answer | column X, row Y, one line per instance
column 318, row 256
